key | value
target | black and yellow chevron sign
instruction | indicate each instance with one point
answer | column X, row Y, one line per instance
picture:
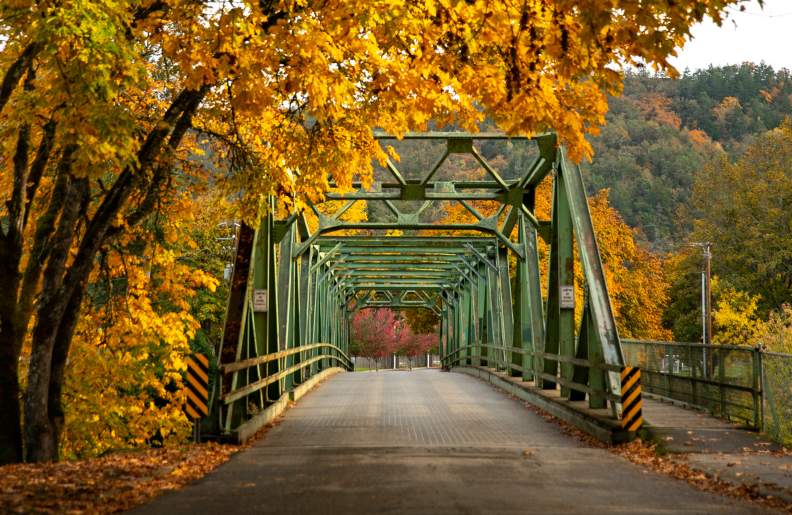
column 631, row 398
column 197, row 405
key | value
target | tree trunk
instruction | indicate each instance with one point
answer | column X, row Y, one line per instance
column 38, row 432
column 40, row 437
column 60, row 354
column 62, row 292
column 14, row 72
column 10, row 427
column 10, row 430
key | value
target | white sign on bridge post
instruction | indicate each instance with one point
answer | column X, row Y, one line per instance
column 567, row 297
column 259, row 300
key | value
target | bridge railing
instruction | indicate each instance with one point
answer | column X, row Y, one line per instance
column 250, row 378
column 740, row 383
column 500, row 358
column 726, row 380
column 777, row 395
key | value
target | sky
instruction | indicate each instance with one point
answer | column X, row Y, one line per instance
column 760, row 34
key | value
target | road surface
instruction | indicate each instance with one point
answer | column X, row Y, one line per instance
column 429, row 442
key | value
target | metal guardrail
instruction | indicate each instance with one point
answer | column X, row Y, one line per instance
column 498, row 357
column 726, row 380
column 308, row 355
column 740, row 383
column 745, row 384
column 777, row 395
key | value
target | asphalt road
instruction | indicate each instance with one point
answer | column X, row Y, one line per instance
column 428, row 442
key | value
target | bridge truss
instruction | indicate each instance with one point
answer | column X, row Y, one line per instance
column 295, row 287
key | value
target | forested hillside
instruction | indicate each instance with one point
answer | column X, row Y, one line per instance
column 661, row 132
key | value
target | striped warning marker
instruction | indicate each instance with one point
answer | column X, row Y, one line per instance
column 631, row 398
column 197, row 386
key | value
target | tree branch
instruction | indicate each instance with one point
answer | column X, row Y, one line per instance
column 38, row 166
column 160, row 176
column 16, row 205
column 14, row 73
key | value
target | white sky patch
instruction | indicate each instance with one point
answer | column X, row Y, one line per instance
column 755, row 35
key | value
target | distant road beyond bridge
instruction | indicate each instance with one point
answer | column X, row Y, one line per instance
column 430, row 442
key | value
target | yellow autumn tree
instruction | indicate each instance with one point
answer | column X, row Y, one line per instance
column 735, row 320
column 776, row 333
column 125, row 386
column 636, row 281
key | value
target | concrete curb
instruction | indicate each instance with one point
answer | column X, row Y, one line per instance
column 245, row 431
column 597, row 423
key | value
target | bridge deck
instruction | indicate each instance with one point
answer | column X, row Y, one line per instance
column 427, row 442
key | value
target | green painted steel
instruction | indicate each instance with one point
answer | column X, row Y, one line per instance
column 294, row 290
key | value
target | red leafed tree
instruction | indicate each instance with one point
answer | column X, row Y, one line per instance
column 411, row 344
column 375, row 333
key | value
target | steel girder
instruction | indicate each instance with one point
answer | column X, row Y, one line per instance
column 311, row 283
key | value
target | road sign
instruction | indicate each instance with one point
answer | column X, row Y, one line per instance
column 197, row 405
column 631, row 398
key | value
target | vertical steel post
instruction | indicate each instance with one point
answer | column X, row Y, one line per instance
column 475, row 330
column 442, row 346
column 481, row 306
column 599, row 300
column 272, row 341
column 521, row 316
column 553, row 324
column 259, row 326
column 566, row 280
column 285, row 300
column 463, row 325
column 535, row 304
column 506, row 307
column 759, row 388
column 494, row 320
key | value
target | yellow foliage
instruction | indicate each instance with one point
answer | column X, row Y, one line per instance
column 636, row 280
column 734, row 317
column 124, row 386
column 776, row 333
column 726, row 107
column 296, row 86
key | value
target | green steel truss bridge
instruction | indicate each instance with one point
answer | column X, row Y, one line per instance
column 294, row 290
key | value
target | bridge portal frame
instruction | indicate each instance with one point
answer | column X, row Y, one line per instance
column 294, row 290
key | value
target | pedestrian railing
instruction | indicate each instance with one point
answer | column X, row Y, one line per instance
column 740, row 383
column 777, row 395
column 503, row 358
column 726, row 380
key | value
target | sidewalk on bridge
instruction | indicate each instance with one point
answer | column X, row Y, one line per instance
column 719, row 448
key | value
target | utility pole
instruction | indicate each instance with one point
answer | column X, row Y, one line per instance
column 708, row 292
column 706, row 299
